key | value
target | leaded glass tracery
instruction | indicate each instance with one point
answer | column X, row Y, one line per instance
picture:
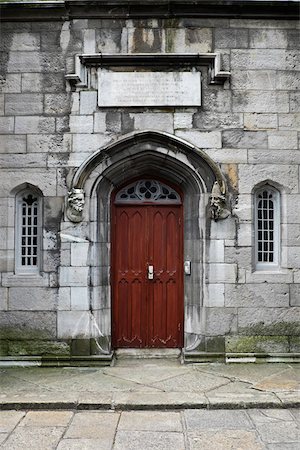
column 147, row 190
column 28, row 232
column 267, row 227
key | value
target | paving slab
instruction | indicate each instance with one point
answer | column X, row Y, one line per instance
column 138, row 384
column 83, row 444
column 150, row 421
column 221, row 440
column 279, row 432
column 39, row 438
column 218, row 420
column 137, row 440
column 47, row 419
column 9, row 420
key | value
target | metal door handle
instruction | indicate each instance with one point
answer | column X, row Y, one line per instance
column 150, row 272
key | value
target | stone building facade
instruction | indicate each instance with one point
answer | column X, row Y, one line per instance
column 77, row 155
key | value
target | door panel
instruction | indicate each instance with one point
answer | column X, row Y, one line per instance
column 147, row 313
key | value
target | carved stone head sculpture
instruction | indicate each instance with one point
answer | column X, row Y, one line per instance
column 218, row 206
column 75, row 205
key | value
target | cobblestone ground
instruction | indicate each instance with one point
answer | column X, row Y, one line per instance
column 143, row 430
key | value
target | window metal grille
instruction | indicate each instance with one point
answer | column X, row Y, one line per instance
column 147, row 191
column 267, row 228
column 28, row 232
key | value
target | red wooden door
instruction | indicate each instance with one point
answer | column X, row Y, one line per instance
column 147, row 312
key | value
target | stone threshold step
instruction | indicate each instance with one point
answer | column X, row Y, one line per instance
column 148, row 353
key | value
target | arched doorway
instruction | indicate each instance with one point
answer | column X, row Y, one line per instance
column 180, row 165
column 147, row 266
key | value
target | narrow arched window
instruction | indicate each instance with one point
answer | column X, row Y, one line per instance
column 28, row 232
column 267, row 228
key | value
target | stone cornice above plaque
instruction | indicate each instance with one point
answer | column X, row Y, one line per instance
column 170, row 61
column 36, row 10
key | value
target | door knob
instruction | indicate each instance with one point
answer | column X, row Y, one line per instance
column 150, row 272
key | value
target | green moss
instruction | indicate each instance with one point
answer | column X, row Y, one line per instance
column 274, row 329
column 38, row 348
column 295, row 344
column 215, row 344
column 80, row 347
column 3, row 348
column 257, row 344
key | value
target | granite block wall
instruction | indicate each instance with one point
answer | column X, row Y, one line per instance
column 249, row 126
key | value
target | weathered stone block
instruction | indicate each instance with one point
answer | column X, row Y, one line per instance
column 250, row 79
column 9, row 161
column 28, row 299
column 289, row 121
column 38, row 347
column 109, row 41
column 79, row 253
column 64, row 299
column 216, row 101
column 3, row 299
column 295, row 294
column 257, row 344
column 24, row 62
column 183, row 120
column 205, row 120
column 1, row 104
column 34, row 124
column 257, row 295
column 146, row 40
column 287, row 80
column 258, row 276
column 260, row 101
column 88, row 102
column 25, row 42
column 223, row 229
column 51, row 62
column 27, row 325
column 81, row 124
column 231, row 38
column 48, row 143
column 242, row 256
column 262, row 23
column 202, row 139
column 268, row 38
column 245, row 234
column 99, row 122
column 262, row 59
column 13, row 144
column 215, row 295
column 73, row 324
column 220, row 321
column 216, row 251
column 21, row 104
column 275, row 156
column 283, row 140
column 10, row 83
column 269, row 321
column 80, row 298
column 74, row 276
column 250, row 175
column 57, row 103
column 244, row 139
column 89, row 143
column 253, row 121
column 43, row 82
column 293, row 257
column 188, row 40
column 294, row 344
column 228, row 155
column 294, row 102
column 7, row 125
column 222, row 273
column 153, row 121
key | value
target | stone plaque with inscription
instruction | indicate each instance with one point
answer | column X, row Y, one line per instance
column 149, row 88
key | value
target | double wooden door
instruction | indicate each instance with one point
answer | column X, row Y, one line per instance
column 147, row 278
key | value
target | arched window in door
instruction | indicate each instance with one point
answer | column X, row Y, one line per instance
column 148, row 191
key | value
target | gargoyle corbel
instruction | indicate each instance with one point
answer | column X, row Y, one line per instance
column 75, row 205
column 218, row 204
